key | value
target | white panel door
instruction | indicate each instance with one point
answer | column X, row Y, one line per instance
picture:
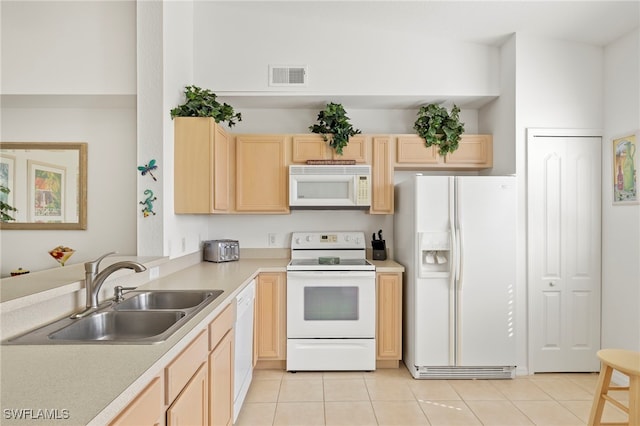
column 564, row 222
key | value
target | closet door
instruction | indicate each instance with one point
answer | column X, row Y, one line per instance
column 564, row 222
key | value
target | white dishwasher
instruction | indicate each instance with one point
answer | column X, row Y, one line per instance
column 243, row 368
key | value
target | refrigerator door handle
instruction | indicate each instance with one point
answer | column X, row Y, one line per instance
column 459, row 258
column 453, row 341
column 458, row 234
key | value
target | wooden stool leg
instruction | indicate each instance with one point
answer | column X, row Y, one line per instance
column 604, row 380
column 634, row 400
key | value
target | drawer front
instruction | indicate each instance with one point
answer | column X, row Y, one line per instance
column 223, row 323
column 183, row 367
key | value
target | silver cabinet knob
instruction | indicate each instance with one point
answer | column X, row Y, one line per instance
column 551, row 284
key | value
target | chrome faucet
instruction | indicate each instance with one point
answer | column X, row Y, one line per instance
column 93, row 280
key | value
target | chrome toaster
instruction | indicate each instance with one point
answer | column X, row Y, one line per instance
column 221, row 250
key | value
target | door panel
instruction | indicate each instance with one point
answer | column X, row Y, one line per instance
column 486, row 282
column 564, row 191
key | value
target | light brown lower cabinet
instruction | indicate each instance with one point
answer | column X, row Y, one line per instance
column 192, row 404
column 389, row 319
column 196, row 387
column 270, row 338
column 221, row 344
column 146, row 409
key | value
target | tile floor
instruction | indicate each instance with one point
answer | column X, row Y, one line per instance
column 393, row 397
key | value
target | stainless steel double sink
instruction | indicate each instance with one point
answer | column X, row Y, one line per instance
column 143, row 317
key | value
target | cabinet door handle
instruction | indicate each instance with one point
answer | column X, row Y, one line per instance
column 551, row 284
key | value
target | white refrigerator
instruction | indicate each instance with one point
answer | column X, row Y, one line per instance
column 456, row 237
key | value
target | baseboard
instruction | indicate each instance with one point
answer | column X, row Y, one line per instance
column 271, row 364
column 387, row 363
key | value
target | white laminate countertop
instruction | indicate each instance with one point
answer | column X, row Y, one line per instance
column 91, row 384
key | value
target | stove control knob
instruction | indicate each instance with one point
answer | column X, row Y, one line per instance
column 347, row 238
column 298, row 240
column 309, row 238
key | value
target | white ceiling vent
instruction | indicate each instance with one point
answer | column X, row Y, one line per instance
column 287, row 75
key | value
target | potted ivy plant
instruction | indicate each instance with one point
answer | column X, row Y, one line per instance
column 333, row 120
column 439, row 127
column 202, row 103
column 6, row 208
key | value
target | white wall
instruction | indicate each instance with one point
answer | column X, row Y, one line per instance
column 71, row 77
column 498, row 118
column 558, row 84
column 236, row 42
column 621, row 224
column 57, row 47
column 111, row 196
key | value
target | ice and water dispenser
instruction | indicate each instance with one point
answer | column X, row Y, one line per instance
column 435, row 254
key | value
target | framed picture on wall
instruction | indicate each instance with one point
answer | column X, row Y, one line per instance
column 46, row 184
column 625, row 170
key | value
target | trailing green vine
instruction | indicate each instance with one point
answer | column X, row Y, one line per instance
column 333, row 121
column 437, row 127
column 5, row 208
column 202, row 103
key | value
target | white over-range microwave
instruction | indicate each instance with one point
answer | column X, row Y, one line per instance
column 330, row 187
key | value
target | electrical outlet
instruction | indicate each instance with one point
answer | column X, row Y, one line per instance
column 272, row 240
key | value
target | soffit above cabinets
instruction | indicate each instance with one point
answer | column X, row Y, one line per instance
column 285, row 100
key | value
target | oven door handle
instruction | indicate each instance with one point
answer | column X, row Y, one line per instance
column 330, row 274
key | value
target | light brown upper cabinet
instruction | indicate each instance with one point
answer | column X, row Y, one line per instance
column 382, row 175
column 313, row 147
column 474, row 152
column 410, row 149
column 201, row 166
column 261, row 174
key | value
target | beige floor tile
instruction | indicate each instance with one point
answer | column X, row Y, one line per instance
column 449, row 413
column 330, row 375
column 302, row 375
column 268, row 374
column 345, row 390
column 389, row 390
column 433, row 390
column 482, row 390
column 548, row 413
column 564, row 390
column 359, row 413
column 301, row 390
column 547, row 376
column 299, row 414
column 256, row 414
column 389, row 373
column 263, row 391
column 587, row 381
column 520, row 390
column 399, row 413
column 582, row 409
column 308, row 398
column 498, row 413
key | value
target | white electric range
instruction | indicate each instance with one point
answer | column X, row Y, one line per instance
column 331, row 303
